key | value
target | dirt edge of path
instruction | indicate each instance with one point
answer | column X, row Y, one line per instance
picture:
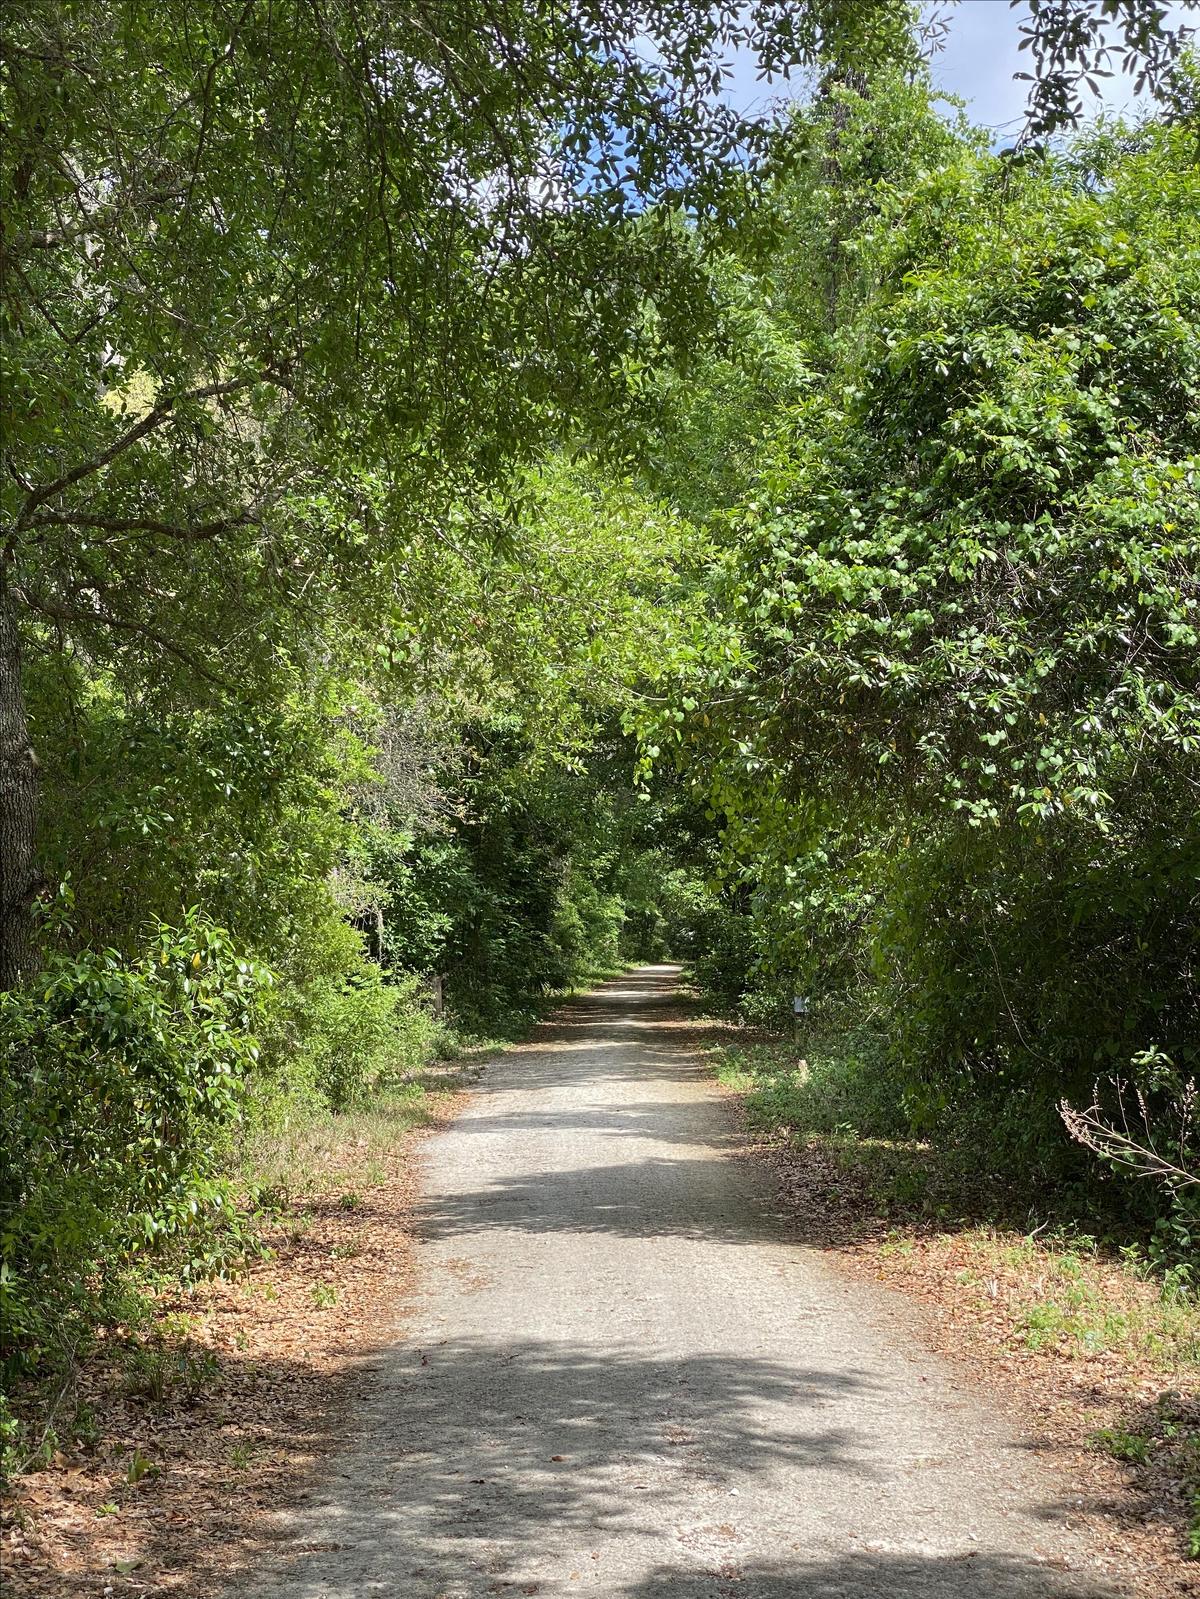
column 1054, row 1403
column 174, row 1494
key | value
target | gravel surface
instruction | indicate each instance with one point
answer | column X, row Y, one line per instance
column 621, row 1377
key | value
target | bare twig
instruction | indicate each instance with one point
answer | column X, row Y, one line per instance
column 1135, row 1151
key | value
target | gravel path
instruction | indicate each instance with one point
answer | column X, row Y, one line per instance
column 621, row 1378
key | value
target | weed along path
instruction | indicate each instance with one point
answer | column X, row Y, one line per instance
column 621, row 1377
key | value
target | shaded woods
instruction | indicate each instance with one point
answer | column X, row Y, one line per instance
column 479, row 511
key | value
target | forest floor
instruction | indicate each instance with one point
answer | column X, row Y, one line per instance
column 199, row 1435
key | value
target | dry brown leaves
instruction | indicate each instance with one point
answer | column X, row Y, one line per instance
column 283, row 1351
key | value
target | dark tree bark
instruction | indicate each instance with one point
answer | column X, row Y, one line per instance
column 19, row 877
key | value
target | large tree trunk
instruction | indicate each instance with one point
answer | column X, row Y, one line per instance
column 19, row 877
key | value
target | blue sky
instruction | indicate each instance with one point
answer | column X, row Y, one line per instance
column 978, row 64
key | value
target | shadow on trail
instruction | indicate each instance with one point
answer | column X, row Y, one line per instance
column 873, row 1576
column 485, row 1456
column 596, row 1041
column 509, row 1409
column 649, row 1198
column 480, row 1451
column 641, row 1120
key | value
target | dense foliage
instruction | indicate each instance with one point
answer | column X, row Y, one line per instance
column 117, row 1085
column 949, row 710
column 477, row 508
column 291, row 635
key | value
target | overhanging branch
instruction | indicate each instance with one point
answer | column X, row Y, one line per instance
column 152, row 420
column 57, row 611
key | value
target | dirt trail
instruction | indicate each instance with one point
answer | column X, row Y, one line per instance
column 622, row 1378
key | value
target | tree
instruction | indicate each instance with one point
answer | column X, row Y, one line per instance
column 285, row 279
column 949, row 707
column 255, row 251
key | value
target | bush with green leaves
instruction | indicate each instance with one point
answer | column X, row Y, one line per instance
column 340, row 1028
column 121, row 1080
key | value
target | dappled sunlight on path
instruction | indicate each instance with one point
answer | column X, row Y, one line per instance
column 623, row 1376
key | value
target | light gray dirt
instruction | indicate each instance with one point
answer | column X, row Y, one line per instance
column 622, row 1378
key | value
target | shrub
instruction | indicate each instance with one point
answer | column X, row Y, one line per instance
column 119, row 1082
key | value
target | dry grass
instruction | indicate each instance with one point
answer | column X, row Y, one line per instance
column 311, row 1149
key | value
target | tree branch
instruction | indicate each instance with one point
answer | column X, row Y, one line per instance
column 143, row 524
column 152, row 420
column 58, row 612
